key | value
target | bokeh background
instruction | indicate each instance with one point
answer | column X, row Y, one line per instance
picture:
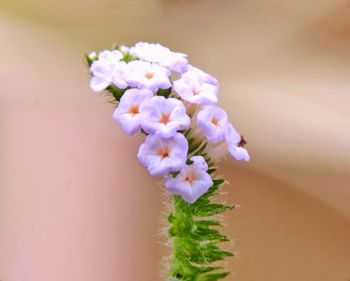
column 75, row 205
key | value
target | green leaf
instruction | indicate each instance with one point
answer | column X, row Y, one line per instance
column 187, row 132
column 116, row 92
column 211, row 209
column 127, row 57
column 201, row 148
column 217, row 182
column 210, row 171
column 89, row 60
column 196, row 241
column 164, row 92
column 214, row 276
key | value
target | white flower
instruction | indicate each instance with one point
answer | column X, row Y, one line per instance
column 164, row 117
column 192, row 181
column 154, row 52
column 161, row 156
column 235, row 144
column 212, row 121
column 103, row 69
column 124, row 49
column 194, row 90
column 127, row 113
column 145, row 75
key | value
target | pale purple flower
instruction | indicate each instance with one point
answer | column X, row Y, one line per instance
column 161, row 156
column 128, row 111
column 192, row 181
column 146, row 75
column 212, row 120
column 103, row 69
column 154, row 52
column 235, row 144
column 194, row 90
column 120, row 75
column 192, row 71
column 164, row 117
column 199, row 162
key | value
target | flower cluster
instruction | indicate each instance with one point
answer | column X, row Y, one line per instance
column 173, row 114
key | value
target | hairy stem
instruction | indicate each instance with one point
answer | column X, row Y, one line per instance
column 195, row 238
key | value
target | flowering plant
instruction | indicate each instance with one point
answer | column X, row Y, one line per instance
column 174, row 105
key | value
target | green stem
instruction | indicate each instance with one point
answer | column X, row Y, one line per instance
column 195, row 238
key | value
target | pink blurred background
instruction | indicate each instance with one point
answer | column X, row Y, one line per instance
column 75, row 205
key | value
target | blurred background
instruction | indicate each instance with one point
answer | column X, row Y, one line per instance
column 75, row 205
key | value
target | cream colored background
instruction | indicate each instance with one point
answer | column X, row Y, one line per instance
column 74, row 202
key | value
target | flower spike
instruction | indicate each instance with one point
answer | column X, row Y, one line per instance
column 185, row 134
